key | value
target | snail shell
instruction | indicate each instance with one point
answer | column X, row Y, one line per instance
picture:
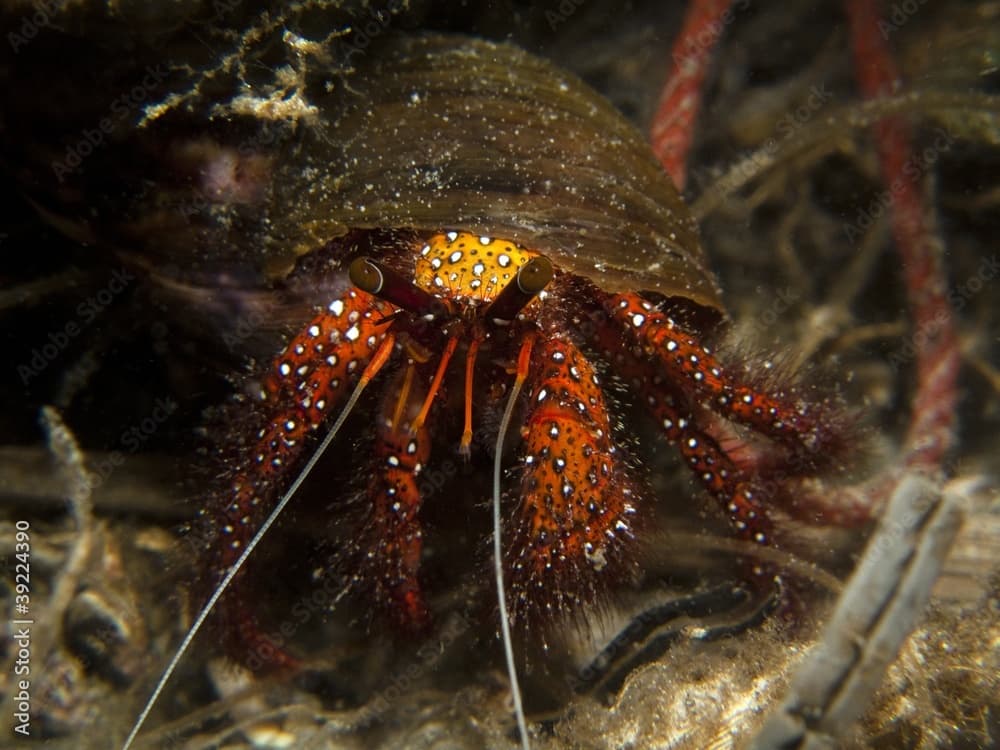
column 453, row 132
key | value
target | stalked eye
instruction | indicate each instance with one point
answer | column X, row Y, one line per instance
column 530, row 281
column 374, row 278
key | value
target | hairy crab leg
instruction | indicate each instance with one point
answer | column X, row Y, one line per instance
column 229, row 576
column 310, row 377
column 390, row 547
column 576, row 501
column 721, row 476
column 806, row 430
column 718, row 474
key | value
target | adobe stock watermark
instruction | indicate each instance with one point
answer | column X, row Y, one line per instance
column 131, row 440
column 958, row 297
column 40, row 18
column 369, row 29
column 913, row 170
column 789, row 124
column 87, row 312
column 697, row 45
column 428, row 658
column 91, row 139
column 222, row 8
column 784, row 300
column 561, row 15
column 898, row 16
column 317, row 602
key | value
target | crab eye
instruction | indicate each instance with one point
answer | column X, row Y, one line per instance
column 374, row 278
column 531, row 279
column 366, row 275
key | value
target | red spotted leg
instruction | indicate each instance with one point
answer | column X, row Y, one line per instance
column 388, row 550
column 721, row 476
column 310, row 379
column 807, row 430
column 724, row 480
column 576, row 500
column 679, row 380
column 349, row 320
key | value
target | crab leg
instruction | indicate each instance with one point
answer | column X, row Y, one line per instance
column 307, row 381
column 393, row 538
column 685, row 361
column 716, row 471
column 576, row 501
column 721, row 476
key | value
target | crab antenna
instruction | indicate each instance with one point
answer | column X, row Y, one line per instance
column 522, row 372
column 531, row 280
column 380, row 358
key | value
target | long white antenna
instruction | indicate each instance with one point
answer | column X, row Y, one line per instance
column 508, row 645
column 231, row 574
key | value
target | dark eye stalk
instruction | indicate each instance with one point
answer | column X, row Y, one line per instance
column 531, row 279
column 386, row 284
column 394, row 288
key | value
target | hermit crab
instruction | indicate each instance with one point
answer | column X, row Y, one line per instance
column 458, row 282
column 489, row 231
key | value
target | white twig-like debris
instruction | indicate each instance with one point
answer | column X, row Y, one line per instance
column 77, row 483
column 877, row 611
